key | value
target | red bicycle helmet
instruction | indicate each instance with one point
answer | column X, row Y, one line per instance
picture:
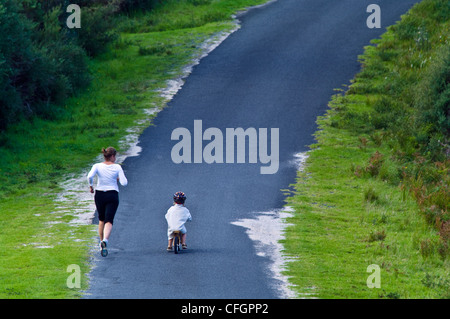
column 179, row 197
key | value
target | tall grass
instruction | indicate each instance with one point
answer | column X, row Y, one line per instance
column 408, row 75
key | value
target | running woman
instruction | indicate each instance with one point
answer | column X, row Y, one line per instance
column 106, row 193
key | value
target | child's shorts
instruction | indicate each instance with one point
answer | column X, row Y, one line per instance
column 170, row 235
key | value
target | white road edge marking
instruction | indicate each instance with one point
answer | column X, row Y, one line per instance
column 266, row 230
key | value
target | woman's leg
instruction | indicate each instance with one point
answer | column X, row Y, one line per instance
column 110, row 211
column 100, row 204
column 107, row 230
column 101, row 227
column 104, row 230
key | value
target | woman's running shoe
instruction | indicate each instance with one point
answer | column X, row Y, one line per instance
column 103, row 249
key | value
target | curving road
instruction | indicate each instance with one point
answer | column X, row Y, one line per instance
column 278, row 71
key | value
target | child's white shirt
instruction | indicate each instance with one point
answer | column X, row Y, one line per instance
column 176, row 217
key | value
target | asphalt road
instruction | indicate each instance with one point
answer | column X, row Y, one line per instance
column 278, row 71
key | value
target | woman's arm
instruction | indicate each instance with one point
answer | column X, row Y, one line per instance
column 90, row 178
column 122, row 179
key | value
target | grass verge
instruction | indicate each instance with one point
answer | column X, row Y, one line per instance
column 38, row 237
column 353, row 207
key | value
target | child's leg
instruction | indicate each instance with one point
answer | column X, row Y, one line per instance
column 170, row 238
column 183, row 238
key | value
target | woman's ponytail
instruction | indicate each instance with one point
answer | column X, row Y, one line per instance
column 108, row 152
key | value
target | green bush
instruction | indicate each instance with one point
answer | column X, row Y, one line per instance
column 433, row 104
column 19, row 83
column 40, row 64
column 67, row 70
column 136, row 5
column 97, row 28
column 390, row 172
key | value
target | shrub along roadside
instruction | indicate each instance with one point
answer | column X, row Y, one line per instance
column 375, row 187
column 42, row 62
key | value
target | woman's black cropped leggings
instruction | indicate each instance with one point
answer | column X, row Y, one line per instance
column 107, row 203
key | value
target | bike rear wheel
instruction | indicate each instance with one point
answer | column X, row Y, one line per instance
column 176, row 244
